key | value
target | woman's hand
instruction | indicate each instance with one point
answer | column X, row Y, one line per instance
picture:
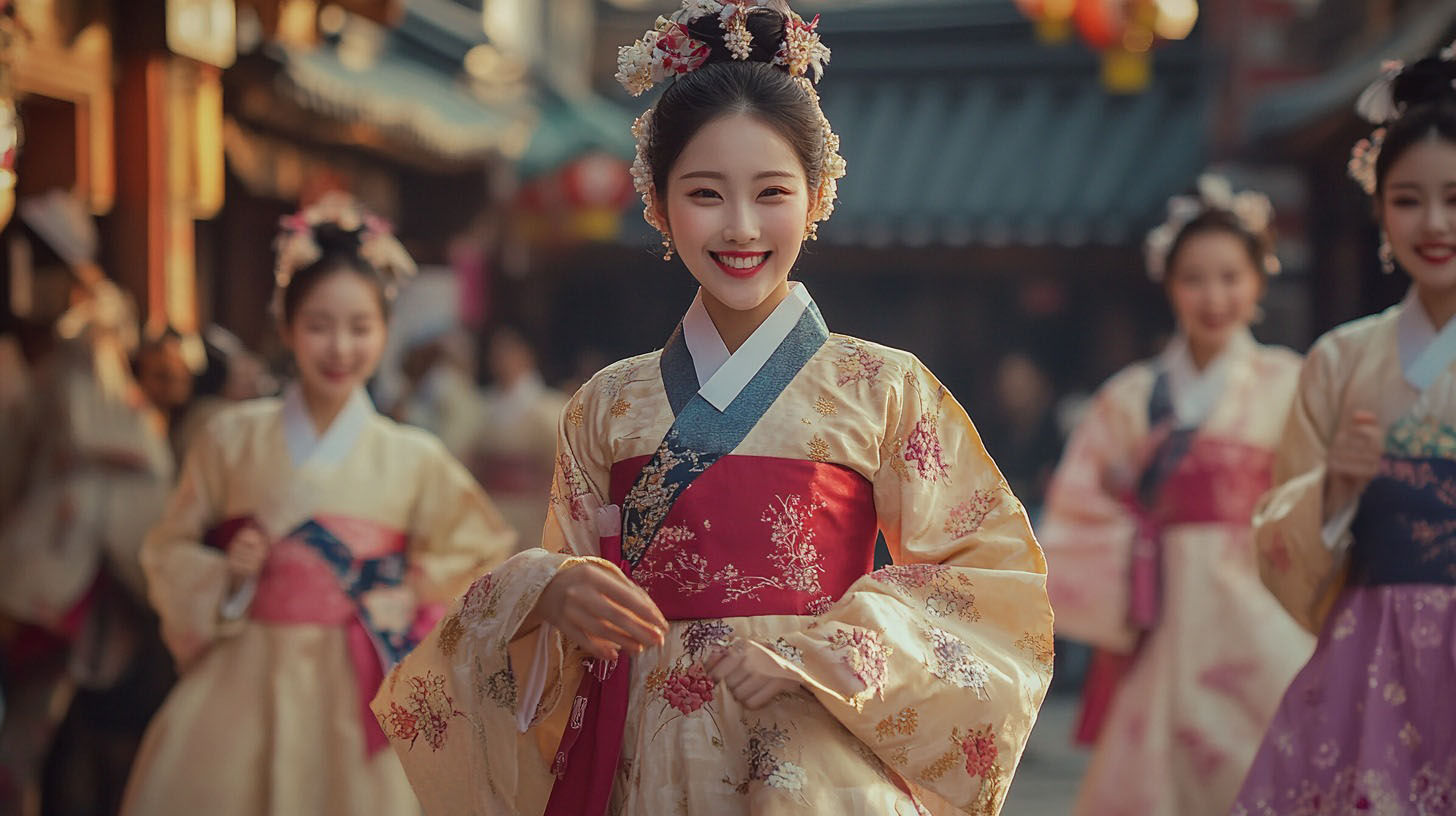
column 600, row 610
column 752, row 672
column 246, row 553
column 1354, row 457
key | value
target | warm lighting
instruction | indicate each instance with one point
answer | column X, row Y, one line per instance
column 1176, row 18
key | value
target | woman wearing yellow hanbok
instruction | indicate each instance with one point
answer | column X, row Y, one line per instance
column 703, row 631
column 308, row 546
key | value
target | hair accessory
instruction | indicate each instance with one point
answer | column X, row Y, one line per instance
column 1378, row 106
column 668, row 50
column 297, row 244
column 1250, row 209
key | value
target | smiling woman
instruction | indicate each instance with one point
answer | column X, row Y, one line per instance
column 703, row 631
column 309, row 544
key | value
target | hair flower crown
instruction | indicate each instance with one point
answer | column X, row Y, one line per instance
column 1378, row 106
column 669, row 50
column 1252, row 210
column 297, row 244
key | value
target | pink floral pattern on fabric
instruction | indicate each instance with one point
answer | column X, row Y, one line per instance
column 923, row 449
column 866, row 657
column 766, row 765
column 857, row 364
column 946, row 592
column 426, row 714
column 966, row 518
column 688, row 691
column 955, row 663
column 570, row 488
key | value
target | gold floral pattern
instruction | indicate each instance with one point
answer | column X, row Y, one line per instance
column 1041, row 648
column 652, row 496
column 941, row 766
column 576, row 413
column 826, row 406
column 867, row 658
column 819, row 449
column 904, row 723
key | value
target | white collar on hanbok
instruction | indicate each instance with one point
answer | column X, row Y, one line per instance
column 1195, row 392
column 306, row 445
column 1425, row 353
column 723, row 376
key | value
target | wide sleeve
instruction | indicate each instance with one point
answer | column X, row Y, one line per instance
column 1087, row 526
column 458, row 532
column 452, row 708
column 938, row 663
column 1301, row 541
column 186, row 579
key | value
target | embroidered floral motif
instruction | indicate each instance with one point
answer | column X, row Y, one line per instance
column 576, row 413
column 1410, row 736
column 570, row 488
column 788, row 651
column 766, row 763
column 954, row 662
column 450, row 631
column 826, row 406
column 923, row 449
column 620, row 408
column 700, row 636
column 966, row 518
column 652, row 495
column 945, row 591
column 867, row 658
column 656, row 680
column 819, row 449
column 1422, row 437
column 819, row 606
column 904, row 723
column 895, row 456
column 857, row 364
column 688, row 691
column 426, row 713
column 940, row 766
column 1041, row 648
column 980, row 749
column 1344, row 625
column 794, row 557
column 500, row 688
column 478, row 607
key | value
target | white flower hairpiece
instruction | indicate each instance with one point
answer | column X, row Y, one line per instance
column 297, row 244
column 668, row 49
column 1252, row 210
column 1377, row 105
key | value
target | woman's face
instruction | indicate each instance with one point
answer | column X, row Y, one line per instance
column 1214, row 287
column 1418, row 211
column 337, row 335
column 737, row 206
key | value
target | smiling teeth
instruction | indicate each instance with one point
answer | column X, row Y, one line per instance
column 748, row 262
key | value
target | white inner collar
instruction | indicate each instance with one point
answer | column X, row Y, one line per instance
column 306, row 445
column 722, row 376
column 1195, row 392
column 1425, row 353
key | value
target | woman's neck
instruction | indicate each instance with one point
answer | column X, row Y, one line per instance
column 1205, row 352
column 1440, row 305
column 735, row 326
column 322, row 410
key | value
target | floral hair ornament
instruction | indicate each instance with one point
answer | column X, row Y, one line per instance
column 1377, row 105
column 297, row 244
column 669, row 50
column 1250, row 209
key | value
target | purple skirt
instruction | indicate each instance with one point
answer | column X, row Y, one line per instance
column 1369, row 724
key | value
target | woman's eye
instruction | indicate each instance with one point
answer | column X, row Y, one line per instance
column 704, row 193
column 773, row 192
column 1405, row 201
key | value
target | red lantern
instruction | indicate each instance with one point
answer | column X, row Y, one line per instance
column 1100, row 22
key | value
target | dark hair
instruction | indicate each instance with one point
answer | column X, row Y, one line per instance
column 724, row 86
column 1258, row 246
column 339, row 253
column 1426, row 98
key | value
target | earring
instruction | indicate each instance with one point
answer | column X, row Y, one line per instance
column 667, row 247
column 812, row 233
column 1386, row 255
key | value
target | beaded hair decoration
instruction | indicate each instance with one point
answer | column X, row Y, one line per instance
column 669, row 50
column 1250, row 209
column 1377, row 105
column 297, row 244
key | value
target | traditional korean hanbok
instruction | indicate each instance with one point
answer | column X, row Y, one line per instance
column 375, row 525
column 1151, row 559
column 1369, row 724
column 744, row 491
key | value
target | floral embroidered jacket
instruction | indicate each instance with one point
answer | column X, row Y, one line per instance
column 748, row 507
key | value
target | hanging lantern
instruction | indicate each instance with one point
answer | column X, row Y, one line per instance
column 1053, row 18
column 1100, row 22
